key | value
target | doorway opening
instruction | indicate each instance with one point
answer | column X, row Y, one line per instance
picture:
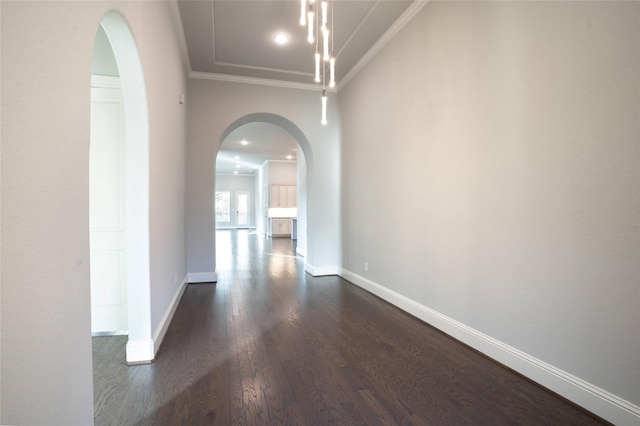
column 264, row 156
column 119, row 191
column 243, row 203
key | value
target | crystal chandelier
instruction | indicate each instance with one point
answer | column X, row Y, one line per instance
column 318, row 28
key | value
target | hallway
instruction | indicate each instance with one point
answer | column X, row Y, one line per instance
column 270, row 345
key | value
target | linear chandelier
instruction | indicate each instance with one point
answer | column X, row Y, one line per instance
column 318, row 25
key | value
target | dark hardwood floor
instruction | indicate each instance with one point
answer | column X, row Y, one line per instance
column 270, row 345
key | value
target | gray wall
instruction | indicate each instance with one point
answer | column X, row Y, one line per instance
column 282, row 173
column 47, row 50
column 492, row 174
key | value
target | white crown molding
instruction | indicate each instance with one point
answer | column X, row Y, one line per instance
column 394, row 29
column 105, row 81
column 254, row 80
column 597, row 400
column 182, row 41
column 253, row 67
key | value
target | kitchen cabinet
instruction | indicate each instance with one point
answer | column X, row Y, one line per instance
column 279, row 227
column 282, row 196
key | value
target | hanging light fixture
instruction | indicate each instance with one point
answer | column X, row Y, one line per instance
column 310, row 19
column 324, row 107
column 303, row 12
column 317, row 16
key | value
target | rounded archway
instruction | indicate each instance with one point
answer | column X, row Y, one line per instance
column 305, row 168
column 278, row 120
column 140, row 347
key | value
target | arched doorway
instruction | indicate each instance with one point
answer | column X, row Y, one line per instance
column 304, row 169
column 134, row 189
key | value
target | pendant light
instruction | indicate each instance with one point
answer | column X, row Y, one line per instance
column 317, row 17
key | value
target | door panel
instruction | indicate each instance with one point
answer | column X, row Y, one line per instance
column 242, row 209
column 106, row 211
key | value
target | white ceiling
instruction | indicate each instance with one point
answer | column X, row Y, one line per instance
column 234, row 39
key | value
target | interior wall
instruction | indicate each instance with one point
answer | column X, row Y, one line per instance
column 213, row 107
column 282, row 173
column 46, row 68
column 301, row 198
column 492, row 174
column 263, row 188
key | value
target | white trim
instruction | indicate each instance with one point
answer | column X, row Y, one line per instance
column 160, row 332
column 253, row 67
column 140, row 351
column 599, row 401
column 321, row 271
column 301, row 251
column 140, row 345
column 202, row 277
column 254, row 80
column 105, row 82
column 394, row 29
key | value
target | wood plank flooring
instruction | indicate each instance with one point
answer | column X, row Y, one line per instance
column 270, row 345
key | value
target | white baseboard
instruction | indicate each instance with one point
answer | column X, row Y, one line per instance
column 202, row 277
column 158, row 336
column 301, row 251
column 320, row 271
column 600, row 402
column 140, row 351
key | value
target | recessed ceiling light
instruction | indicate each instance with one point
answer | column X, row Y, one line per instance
column 244, row 142
column 235, row 172
column 289, row 157
column 237, row 166
column 237, row 157
column 281, row 38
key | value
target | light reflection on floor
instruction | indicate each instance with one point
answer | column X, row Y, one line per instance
column 241, row 252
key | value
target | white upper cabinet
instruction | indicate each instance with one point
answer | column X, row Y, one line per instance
column 282, row 196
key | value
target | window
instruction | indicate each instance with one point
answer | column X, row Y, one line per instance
column 223, row 206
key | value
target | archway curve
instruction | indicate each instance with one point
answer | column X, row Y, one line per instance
column 278, row 120
column 303, row 142
column 140, row 347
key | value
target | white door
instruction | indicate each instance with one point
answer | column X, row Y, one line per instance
column 107, row 211
column 242, row 209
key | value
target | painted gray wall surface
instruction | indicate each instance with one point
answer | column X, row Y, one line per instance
column 46, row 53
column 213, row 106
column 492, row 173
column 233, row 184
column 282, row 173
